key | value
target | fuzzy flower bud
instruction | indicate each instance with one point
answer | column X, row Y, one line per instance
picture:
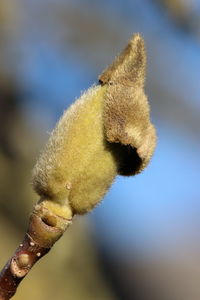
column 104, row 133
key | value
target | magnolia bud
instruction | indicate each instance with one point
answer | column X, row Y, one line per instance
column 104, row 133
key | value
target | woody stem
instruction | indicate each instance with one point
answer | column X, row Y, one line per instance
column 44, row 229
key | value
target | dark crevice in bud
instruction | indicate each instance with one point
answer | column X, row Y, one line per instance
column 127, row 158
column 100, row 82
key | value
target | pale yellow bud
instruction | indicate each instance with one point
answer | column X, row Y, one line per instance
column 104, row 133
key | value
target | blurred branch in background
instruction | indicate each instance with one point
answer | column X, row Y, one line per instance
column 185, row 14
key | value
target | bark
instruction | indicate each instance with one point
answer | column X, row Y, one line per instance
column 45, row 228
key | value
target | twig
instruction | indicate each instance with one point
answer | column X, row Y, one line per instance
column 44, row 229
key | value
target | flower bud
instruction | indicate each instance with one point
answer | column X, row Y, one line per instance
column 104, row 133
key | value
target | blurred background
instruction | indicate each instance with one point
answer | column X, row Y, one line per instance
column 143, row 241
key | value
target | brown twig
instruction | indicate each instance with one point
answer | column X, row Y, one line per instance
column 45, row 228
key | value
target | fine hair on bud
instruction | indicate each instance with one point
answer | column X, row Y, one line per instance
column 104, row 133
